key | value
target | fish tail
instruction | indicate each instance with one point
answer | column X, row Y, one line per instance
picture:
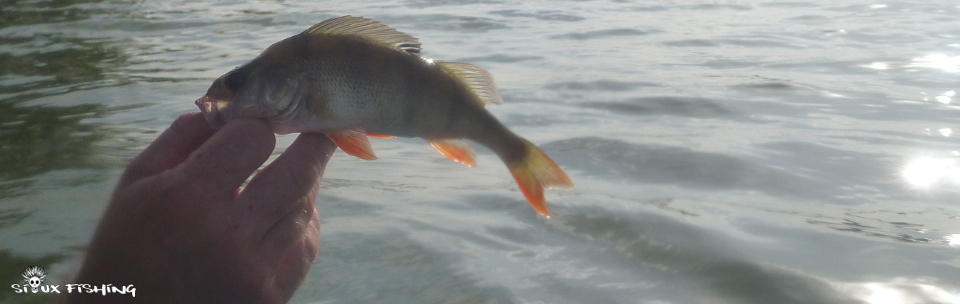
column 535, row 171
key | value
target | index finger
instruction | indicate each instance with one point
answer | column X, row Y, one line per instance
column 171, row 148
column 225, row 161
column 280, row 187
column 279, row 202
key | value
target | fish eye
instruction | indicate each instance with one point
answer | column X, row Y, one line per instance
column 233, row 81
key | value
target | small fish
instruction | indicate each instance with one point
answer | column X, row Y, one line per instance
column 352, row 77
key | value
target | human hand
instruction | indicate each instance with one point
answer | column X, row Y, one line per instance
column 179, row 229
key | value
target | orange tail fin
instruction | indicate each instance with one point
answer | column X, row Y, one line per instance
column 535, row 172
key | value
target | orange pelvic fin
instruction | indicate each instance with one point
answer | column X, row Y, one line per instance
column 380, row 136
column 455, row 149
column 354, row 142
column 535, row 172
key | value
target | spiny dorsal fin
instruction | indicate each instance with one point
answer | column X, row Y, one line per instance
column 366, row 28
column 477, row 80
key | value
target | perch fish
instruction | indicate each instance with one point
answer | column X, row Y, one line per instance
column 352, row 77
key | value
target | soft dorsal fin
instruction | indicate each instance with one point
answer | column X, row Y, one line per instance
column 368, row 29
column 477, row 80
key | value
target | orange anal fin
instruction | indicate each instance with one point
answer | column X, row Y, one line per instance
column 455, row 149
column 535, row 172
column 380, row 136
column 354, row 142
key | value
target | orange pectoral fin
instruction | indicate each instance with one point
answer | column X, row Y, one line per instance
column 354, row 142
column 455, row 149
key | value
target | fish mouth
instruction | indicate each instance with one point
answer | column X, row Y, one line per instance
column 211, row 109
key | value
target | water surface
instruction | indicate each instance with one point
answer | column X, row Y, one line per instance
column 722, row 151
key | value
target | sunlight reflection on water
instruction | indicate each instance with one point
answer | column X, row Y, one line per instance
column 945, row 132
column 924, row 171
column 904, row 291
column 953, row 239
column 946, row 97
column 938, row 61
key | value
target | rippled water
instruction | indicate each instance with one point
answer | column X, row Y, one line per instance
column 723, row 151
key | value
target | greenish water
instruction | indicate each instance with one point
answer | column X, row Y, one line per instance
column 723, row 151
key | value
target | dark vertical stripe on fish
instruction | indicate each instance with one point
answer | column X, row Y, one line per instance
column 414, row 86
column 455, row 109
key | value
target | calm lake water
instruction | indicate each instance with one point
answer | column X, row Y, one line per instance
column 722, row 151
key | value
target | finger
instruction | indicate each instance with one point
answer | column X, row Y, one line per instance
column 171, row 148
column 298, row 259
column 288, row 232
column 279, row 187
column 225, row 161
